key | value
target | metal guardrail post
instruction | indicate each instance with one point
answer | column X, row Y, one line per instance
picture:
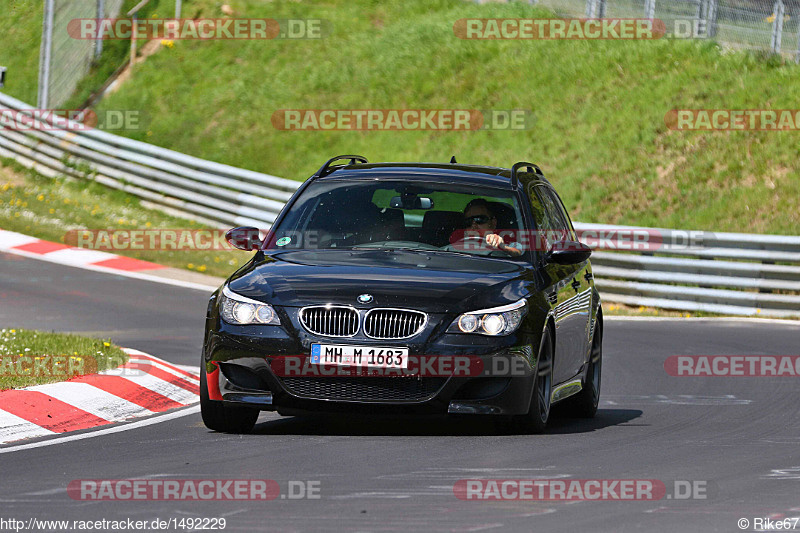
column 2, row 77
column 777, row 26
column 133, row 41
column 134, row 14
column 590, row 9
column 45, row 55
column 601, row 9
column 177, row 9
column 710, row 16
column 797, row 52
column 98, row 40
column 650, row 9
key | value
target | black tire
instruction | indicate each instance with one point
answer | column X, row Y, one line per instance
column 584, row 404
column 535, row 421
column 219, row 417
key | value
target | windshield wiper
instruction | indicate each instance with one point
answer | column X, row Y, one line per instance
column 409, row 249
column 390, row 248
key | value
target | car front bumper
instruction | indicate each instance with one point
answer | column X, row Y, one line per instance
column 246, row 367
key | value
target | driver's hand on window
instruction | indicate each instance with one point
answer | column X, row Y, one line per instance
column 496, row 241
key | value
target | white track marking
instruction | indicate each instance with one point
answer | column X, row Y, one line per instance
column 124, row 273
column 143, row 379
column 76, row 256
column 18, row 428
column 749, row 320
column 105, row 431
column 93, row 400
column 10, row 239
column 169, row 369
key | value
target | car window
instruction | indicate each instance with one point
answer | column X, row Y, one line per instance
column 369, row 213
column 555, row 225
column 562, row 211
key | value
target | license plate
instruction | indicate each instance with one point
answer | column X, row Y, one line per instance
column 368, row 356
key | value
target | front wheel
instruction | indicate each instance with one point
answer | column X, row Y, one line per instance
column 219, row 417
column 535, row 421
column 584, row 404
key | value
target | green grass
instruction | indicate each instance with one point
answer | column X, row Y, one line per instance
column 20, row 38
column 21, row 30
column 29, row 357
column 48, row 209
column 599, row 108
column 614, row 309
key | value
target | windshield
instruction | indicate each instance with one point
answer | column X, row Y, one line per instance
column 401, row 215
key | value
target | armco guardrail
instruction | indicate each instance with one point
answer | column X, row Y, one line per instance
column 211, row 192
column 730, row 273
column 721, row 273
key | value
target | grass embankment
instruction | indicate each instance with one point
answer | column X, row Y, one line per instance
column 20, row 35
column 29, row 357
column 599, row 108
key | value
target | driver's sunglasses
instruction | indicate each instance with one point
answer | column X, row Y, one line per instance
column 478, row 219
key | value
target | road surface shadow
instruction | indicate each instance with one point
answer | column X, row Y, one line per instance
column 365, row 425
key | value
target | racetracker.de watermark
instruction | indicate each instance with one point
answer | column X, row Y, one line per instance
column 71, row 119
column 356, row 365
column 578, row 490
column 191, row 490
column 198, row 29
column 733, row 365
column 64, row 366
column 557, row 29
column 733, row 119
column 150, row 239
column 599, row 238
column 402, row 119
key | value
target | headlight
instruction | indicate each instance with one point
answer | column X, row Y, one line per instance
column 237, row 309
column 494, row 322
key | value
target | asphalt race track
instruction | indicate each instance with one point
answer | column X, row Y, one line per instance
column 739, row 437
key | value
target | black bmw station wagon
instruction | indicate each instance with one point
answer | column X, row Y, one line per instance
column 408, row 288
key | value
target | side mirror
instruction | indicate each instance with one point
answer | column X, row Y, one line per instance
column 568, row 253
column 244, row 238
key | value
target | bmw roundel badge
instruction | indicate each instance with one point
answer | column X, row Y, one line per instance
column 365, row 299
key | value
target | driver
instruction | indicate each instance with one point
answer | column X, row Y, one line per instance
column 479, row 216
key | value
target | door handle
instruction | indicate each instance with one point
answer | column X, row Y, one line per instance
column 576, row 284
column 588, row 276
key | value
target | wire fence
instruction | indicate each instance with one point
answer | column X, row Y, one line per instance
column 64, row 60
column 770, row 25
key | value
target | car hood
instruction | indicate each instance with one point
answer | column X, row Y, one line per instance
column 427, row 281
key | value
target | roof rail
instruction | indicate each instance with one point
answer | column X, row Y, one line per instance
column 532, row 168
column 328, row 167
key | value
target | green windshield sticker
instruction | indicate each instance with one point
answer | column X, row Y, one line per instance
column 283, row 241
